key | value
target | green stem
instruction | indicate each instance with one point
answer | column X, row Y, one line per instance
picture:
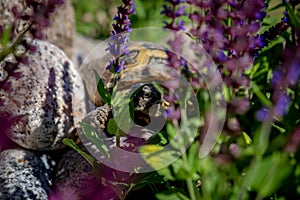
column 118, row 140
column 190, row 187
column 9, row 49
column 189, row 181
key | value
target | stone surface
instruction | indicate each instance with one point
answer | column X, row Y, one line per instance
column 75, row 178
column 42, row 102
column 62, row 30
column 24, row 175
column 82, row 47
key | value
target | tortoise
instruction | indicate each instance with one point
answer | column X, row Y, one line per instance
column 141, row 61
column 141, row 67
column 145, row 62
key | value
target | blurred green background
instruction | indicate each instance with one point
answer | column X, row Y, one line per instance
column 94, row 18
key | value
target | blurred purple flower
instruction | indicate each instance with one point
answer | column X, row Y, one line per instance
column 238, row 38
column 286, row 17
column 285, row 76
column 276, row 79
column 172, row 113
column 174, row 11
column 280, row 107
column 262, row 114
column 294, row 72
column 117, row 45
column 238, row 105
column 294, row 141
column 234, row 150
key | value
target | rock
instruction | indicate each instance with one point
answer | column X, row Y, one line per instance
column 82, row 47
column 42, row 102
column 61, row 31
column 24, row 175
column 75, row 178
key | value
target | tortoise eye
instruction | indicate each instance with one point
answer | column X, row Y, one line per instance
column 147, row 91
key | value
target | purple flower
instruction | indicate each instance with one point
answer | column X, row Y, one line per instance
column 294, row 73
column 238, row 38
column 174, row 11
column 281, row 105
column 262, row 114
column 172, row 113
column 118, row 46
column 285, row 76
column 294, row 141
column 286, row 17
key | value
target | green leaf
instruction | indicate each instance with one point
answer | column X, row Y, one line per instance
column 193, row 157
column 5, row 50
column 159, row 88
column 247, row 139
column 91, row 134
column 294, row 18
column 101, row 89
column 264, row 100
column 172, row 131
column 172, row 196
column 73, row 145
column 112, row 127
column 159, row 139
column 156, row 156
column 276, row 7
column 5, row 36
column 267, row 174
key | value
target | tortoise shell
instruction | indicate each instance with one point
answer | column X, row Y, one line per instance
column 145, row 62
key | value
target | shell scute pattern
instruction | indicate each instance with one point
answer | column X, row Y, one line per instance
column 141, row 66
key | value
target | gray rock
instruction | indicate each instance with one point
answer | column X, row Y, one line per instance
column 42, row 102
column 24, row 175
column 75, row 178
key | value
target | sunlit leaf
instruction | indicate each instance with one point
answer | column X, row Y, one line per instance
column 73, row 145
column 246, row 137
column 156, row 156
column 91, row 134
column 112, row 127
column 5, row 36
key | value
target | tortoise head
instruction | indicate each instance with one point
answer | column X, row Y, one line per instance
column 147, row 103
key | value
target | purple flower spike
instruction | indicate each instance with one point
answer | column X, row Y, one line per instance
column 118, row 46
column 174, row 11
column 237, row 38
